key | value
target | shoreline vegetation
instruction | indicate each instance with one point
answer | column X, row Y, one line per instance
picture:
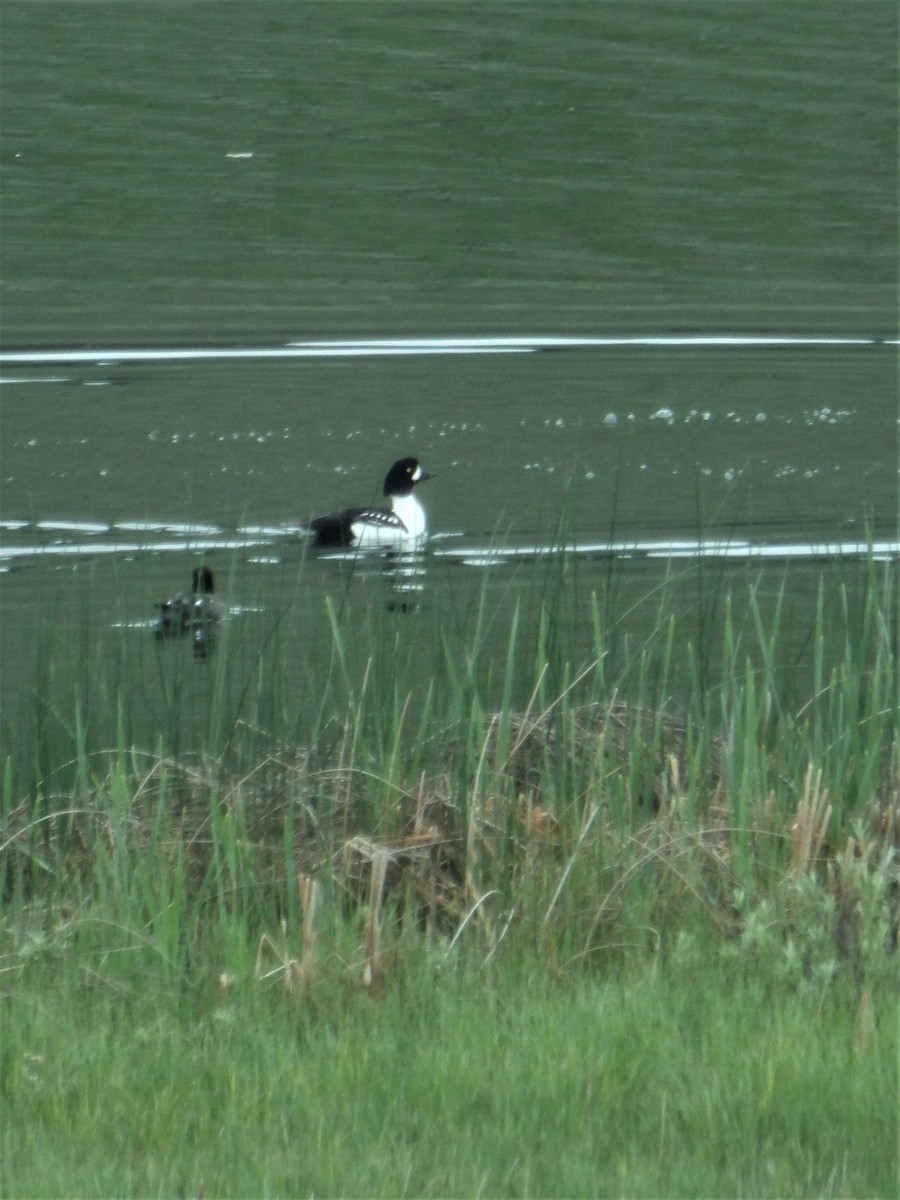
column 675, row 857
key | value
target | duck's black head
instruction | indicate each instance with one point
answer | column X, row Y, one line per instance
column 403, row 477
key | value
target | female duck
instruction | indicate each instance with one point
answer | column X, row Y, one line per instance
column 197, row 612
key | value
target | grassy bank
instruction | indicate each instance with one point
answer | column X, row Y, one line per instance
column 513, row 903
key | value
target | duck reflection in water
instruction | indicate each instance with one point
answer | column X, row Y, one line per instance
column 197, row 613
column 405, row 577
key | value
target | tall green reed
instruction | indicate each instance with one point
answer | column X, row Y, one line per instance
column 481, row 704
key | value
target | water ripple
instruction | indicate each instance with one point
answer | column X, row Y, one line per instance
column 456, row 547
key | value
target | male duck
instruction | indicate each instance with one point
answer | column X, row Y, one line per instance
column 402, row 526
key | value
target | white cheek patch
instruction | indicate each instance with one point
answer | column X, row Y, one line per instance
column 417, row 474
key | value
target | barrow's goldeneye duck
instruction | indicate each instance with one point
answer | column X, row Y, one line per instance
column 197, row 612
column 404, row 525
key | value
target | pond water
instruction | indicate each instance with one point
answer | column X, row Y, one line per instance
column 121, row 472
column 659, row 439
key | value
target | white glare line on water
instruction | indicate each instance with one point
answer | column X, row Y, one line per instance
column 544, row 342
column 376, row 347
column 493, row 555
column 110, row 358
column 73, row 526
column 37, row 379
column 93, row 549
column 254, row 538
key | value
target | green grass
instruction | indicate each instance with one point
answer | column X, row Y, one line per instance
column 614, row 916
column 684, row 1078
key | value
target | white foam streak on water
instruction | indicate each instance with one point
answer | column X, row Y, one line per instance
column 423, row 346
